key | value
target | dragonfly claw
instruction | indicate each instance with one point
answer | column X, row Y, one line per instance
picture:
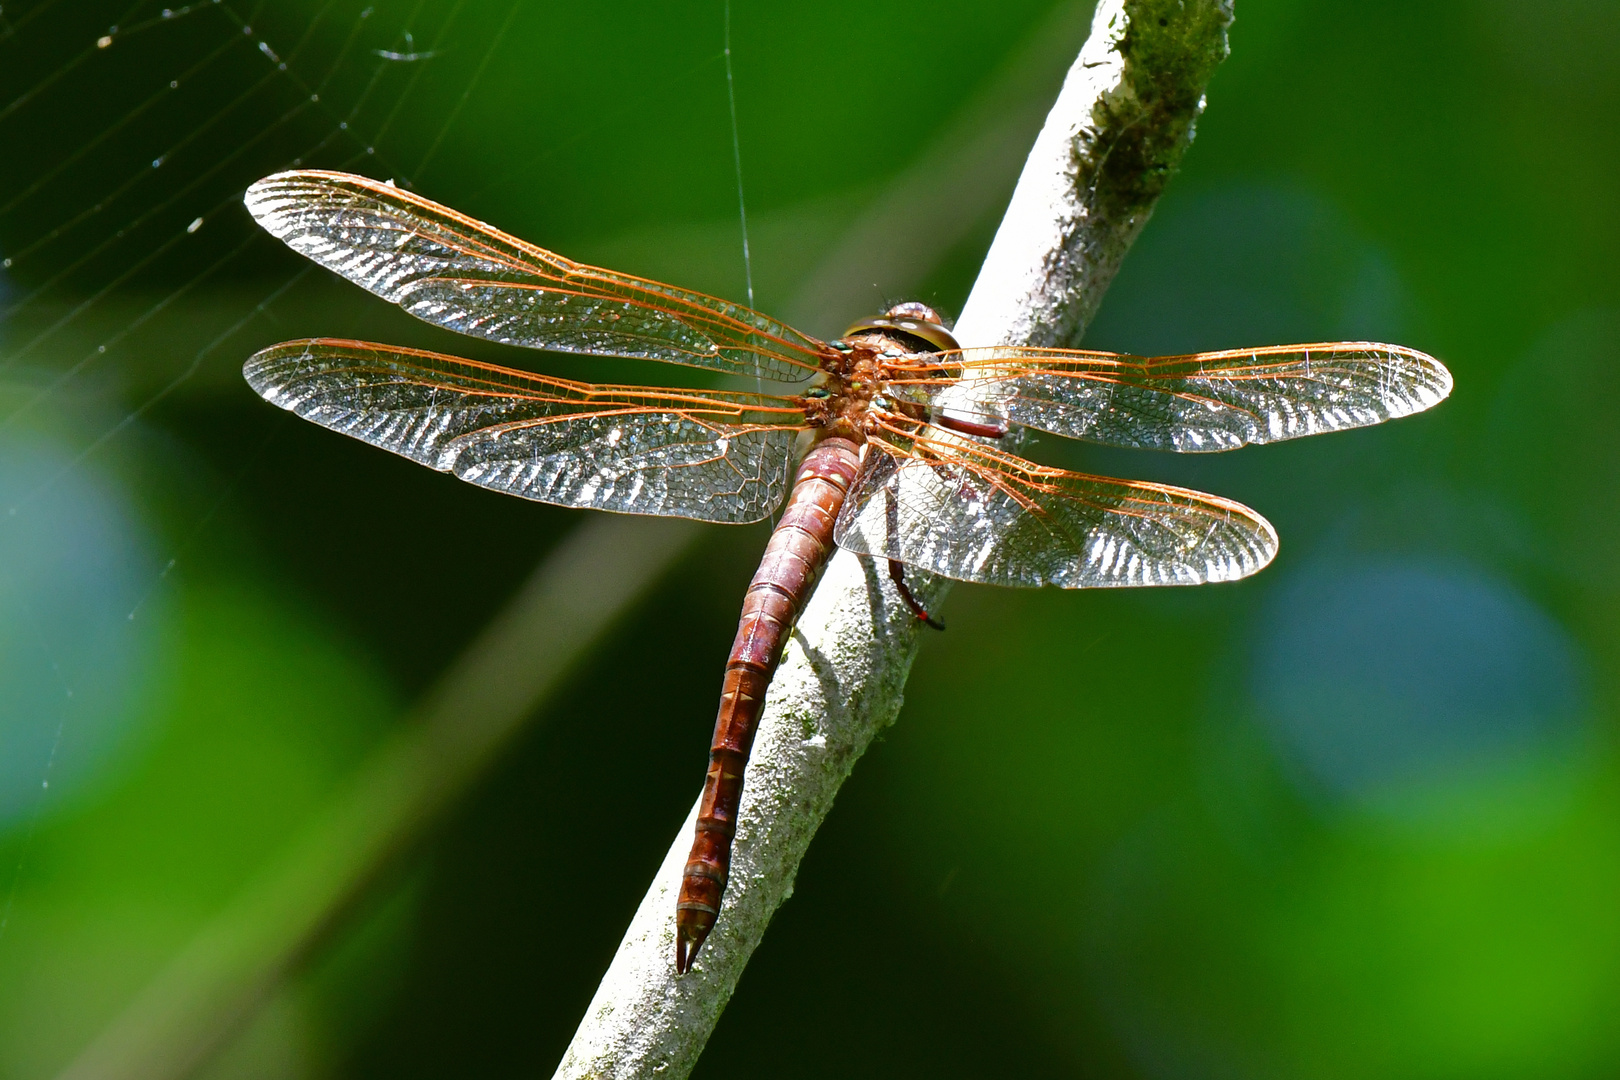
column 897, row 574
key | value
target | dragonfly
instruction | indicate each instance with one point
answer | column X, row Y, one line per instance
column 892, row 442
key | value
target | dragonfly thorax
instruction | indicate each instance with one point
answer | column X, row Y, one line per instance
column 855, row 368
column 851, row 377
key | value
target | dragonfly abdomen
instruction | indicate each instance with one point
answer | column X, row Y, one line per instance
column 797, row 551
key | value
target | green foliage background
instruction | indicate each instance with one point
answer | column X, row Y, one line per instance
column 1356, row 817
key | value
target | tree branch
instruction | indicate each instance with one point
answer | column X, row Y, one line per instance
column 1116, row 134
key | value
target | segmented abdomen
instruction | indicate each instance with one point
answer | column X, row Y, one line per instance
column 797, row 551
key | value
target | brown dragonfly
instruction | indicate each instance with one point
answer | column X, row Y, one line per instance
column 903, row 438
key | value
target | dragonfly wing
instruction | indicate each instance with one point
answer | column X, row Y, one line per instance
column 707, row 455
column 970, row 512
column 453, row 271
column 1204, row 401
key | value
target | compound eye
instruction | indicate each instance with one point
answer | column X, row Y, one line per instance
column 911, row 309
column 912, row 320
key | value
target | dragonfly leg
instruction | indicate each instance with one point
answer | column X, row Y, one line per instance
column 897, row 569
column 897, row 574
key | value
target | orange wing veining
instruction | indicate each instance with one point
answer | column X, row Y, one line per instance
column 1199, row 402
column 709, row 455
column 453, row 271
column 956, row 507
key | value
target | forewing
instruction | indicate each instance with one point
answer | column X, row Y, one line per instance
column 957, row 508
column 712, row 456
column 452, row 271
column 1204, row 401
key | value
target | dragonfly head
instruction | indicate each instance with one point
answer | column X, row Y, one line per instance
column 914, row 324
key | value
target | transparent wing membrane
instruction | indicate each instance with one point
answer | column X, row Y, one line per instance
column 452, row 271
column 1200, row 402
column 713, row 456
column 943, row 496
column 951, row 506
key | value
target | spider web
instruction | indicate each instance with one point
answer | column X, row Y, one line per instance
column 128, row 272
column 132, row 281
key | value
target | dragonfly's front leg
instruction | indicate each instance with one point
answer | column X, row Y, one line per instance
column 995, row 429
